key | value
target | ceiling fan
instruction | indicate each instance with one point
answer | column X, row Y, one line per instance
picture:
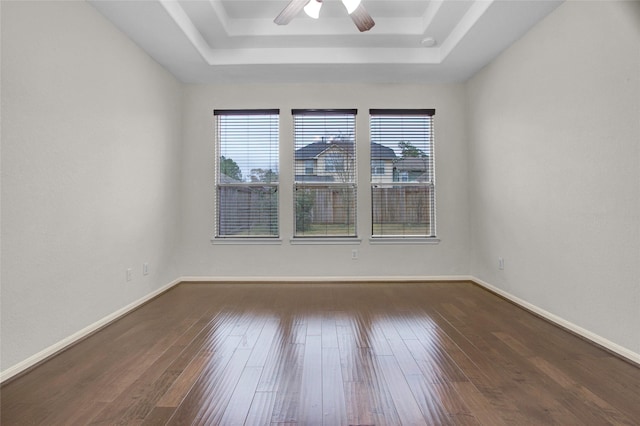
column 356, row 10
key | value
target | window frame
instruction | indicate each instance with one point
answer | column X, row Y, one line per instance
column 273, row 117
column 403, row 180
column 349, row 169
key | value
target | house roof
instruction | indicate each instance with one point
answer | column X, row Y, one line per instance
column 381, row 152
column 313, row 150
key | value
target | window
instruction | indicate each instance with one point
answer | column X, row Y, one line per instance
column 377, row 167
column 325, row 202
column 309, row 167
column 403, row 200
column 246, row 152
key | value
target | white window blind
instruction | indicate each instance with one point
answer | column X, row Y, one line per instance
column 247, row 174
column 325, row 184
column 403, row 173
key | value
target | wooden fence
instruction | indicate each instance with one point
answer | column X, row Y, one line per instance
column 253, row 210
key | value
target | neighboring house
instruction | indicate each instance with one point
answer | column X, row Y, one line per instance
column 383, row 159
column 411, row 169
column 332, row 161
column 325, row 161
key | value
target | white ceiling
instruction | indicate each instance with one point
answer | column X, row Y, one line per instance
column 236, row 41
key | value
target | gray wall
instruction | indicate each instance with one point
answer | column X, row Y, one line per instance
column 90, row 170
column 198, row 257
column 554, row 148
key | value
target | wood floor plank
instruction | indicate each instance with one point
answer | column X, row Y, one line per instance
column 403, row 399
column 436, row 356
column 328, row 354
column 538, row 398
column 261, row 409
column 240, row 402
column 399, row 349
column 202, row 398
column 433, row 406
column 333, row 397
column 481, row 408
column 283, row 371
column 367, row 398
column 140, row 398
column 207, row 400
column 311, row 411
column 453, row 403
column 287, row 385
column 485, row 370
column 158, row 416
column 192, row 362
column 329, row 330
column 183, row 383
column 585, row 405
column 264, row 341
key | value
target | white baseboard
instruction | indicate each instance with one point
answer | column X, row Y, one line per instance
column 330, row 279
column 584, row 333
column 79, row 335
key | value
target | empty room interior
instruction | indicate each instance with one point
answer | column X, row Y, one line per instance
column 401, row 212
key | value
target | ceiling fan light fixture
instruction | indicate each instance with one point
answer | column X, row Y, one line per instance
column 357, row 12
column 312, row 9
column 351, row 5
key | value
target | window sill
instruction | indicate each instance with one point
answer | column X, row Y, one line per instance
column 246, row 241
column 404, row 240
column 324, row 241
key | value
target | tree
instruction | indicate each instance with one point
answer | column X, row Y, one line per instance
column 268, row 198
column 304, row 206
column 341, row 162
column 230, row 168
column 408, row 150
column 414, row 172
column 413, row 162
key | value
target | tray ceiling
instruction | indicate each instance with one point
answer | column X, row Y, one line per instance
column 227, row 41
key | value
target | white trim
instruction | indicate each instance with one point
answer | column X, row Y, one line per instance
column 324, row 240
column 246, row 241
column 403, row 240
column 561, row 322
column 336, row 55
column 332, row 279
column 464, row 26
column 76, row 337
column 79, row 335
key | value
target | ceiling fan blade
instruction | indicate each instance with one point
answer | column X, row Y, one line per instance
column 362, row 19
column 290, row 11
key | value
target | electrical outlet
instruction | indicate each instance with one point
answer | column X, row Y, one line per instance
column 145, row 269
column 354, row 254
column 129, row 274
column 501, row 264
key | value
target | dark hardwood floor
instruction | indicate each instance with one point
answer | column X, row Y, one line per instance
column 332, row 354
